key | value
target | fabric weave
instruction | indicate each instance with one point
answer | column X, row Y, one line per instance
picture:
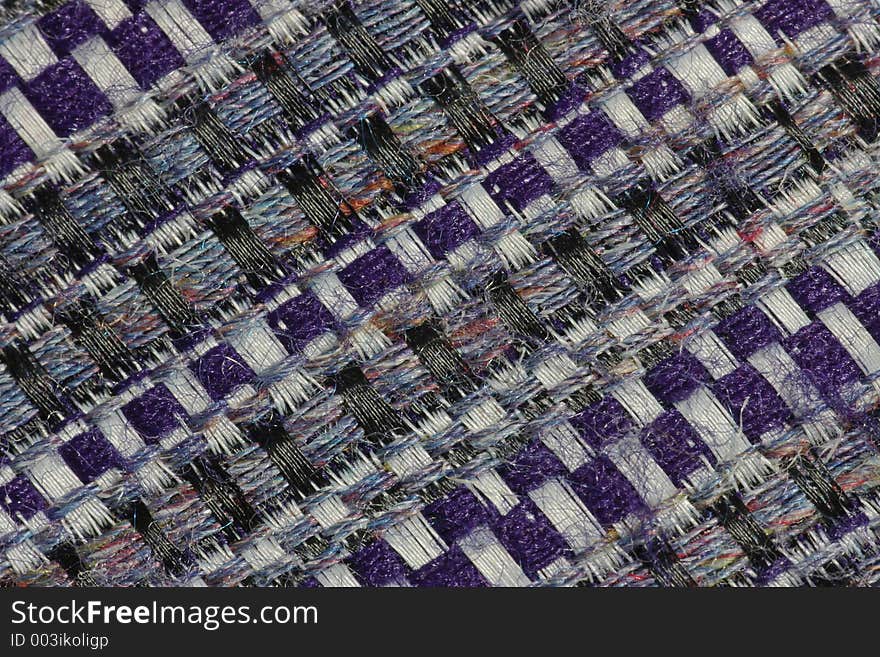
column 439, row 293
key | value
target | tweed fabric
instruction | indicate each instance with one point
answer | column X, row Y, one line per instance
column 439, row 293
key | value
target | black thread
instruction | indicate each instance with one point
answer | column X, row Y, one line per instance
column 512, row 309
column 245, row 248
column 303, row 180
column 365, row 53
column 114, row 359
column 814, row 480
column 663, row 563
column 287, row 456
column 175, row 561
column 166, row 299
column 222, row 496
column 575, row 256
column 72, row 241
column 744, row 529
column 469, row 116
column 532, row 60
column 376, row 137
column 375, row 416
column 34, row 381
column 144, row 195
column 441, row 360
column 223, row 147
column 299, row 110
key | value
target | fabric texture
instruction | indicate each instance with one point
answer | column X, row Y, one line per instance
column 439, row 293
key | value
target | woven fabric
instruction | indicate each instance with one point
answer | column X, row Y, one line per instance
column 439, row 293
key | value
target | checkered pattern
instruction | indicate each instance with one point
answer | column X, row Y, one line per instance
column 440, row 293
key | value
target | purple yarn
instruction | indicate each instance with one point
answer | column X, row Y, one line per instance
column 223, row 19
column 747, row 331
column 752, row 401
column 8, row 76
column 630, row 64
column 13, row 151
column 450, row 570
column 529, row 537
column 815, row 290
column 530, row 468
column 378, row 564
column 589, row 136
column 675, row 445
column 519, row 182
column 703, row 20
column 726, row 48
column 676, row 378
column 372, row 276
column 221, row 370
column 456, row 515
column 304, row 318
column 570, row 99
column 819, row 354
column 144, row 49
column 90, row 455
column 866, row 308
column 66, row 97
column 657, row 93
column 155, row 413
column 792, row 16
column 605, row 491
column 602, row 422
column 445, row 229
column 19, row 497
column 69, row 26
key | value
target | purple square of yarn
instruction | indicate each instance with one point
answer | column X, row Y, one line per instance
column 66, row 98
column 630, row 64
column 676, row 378
column 377, row 564
column 19, row 497
column 221, row 370
column 605, row 491
column 866, row 308
column 821, row 356
column 155, row 413
column 752, row 401
column 518, row 182
column 703, row 20
column 223, row 19
column 588, row 137
column 70, row 25
column 602, row 422
column 8, row 76
column 529, row 537
column 657, row 93
column 144, row 49
column 372, row 276
column 89, row 455
column 450, row 570
column 13, row 151
column 675, row 446
column 728, row 51
column 455, row 515
column 445, row 229
column 815, row 290
column 747, row 331
column 300, row 320
column 531, row 467
column 792, row 16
